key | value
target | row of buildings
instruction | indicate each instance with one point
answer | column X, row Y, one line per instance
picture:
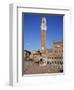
column 54, row 53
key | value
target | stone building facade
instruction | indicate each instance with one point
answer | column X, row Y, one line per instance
column 54, row 53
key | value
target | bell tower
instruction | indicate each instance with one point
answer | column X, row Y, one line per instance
column 43, row 33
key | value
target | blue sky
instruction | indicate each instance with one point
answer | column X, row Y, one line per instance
column 32, row 30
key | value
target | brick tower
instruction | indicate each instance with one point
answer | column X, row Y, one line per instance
column 43, row 33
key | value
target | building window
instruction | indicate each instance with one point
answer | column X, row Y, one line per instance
column 55, row 62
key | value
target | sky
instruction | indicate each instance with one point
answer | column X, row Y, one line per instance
column 32, row 30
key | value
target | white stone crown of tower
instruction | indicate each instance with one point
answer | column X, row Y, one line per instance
column 43, row 24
